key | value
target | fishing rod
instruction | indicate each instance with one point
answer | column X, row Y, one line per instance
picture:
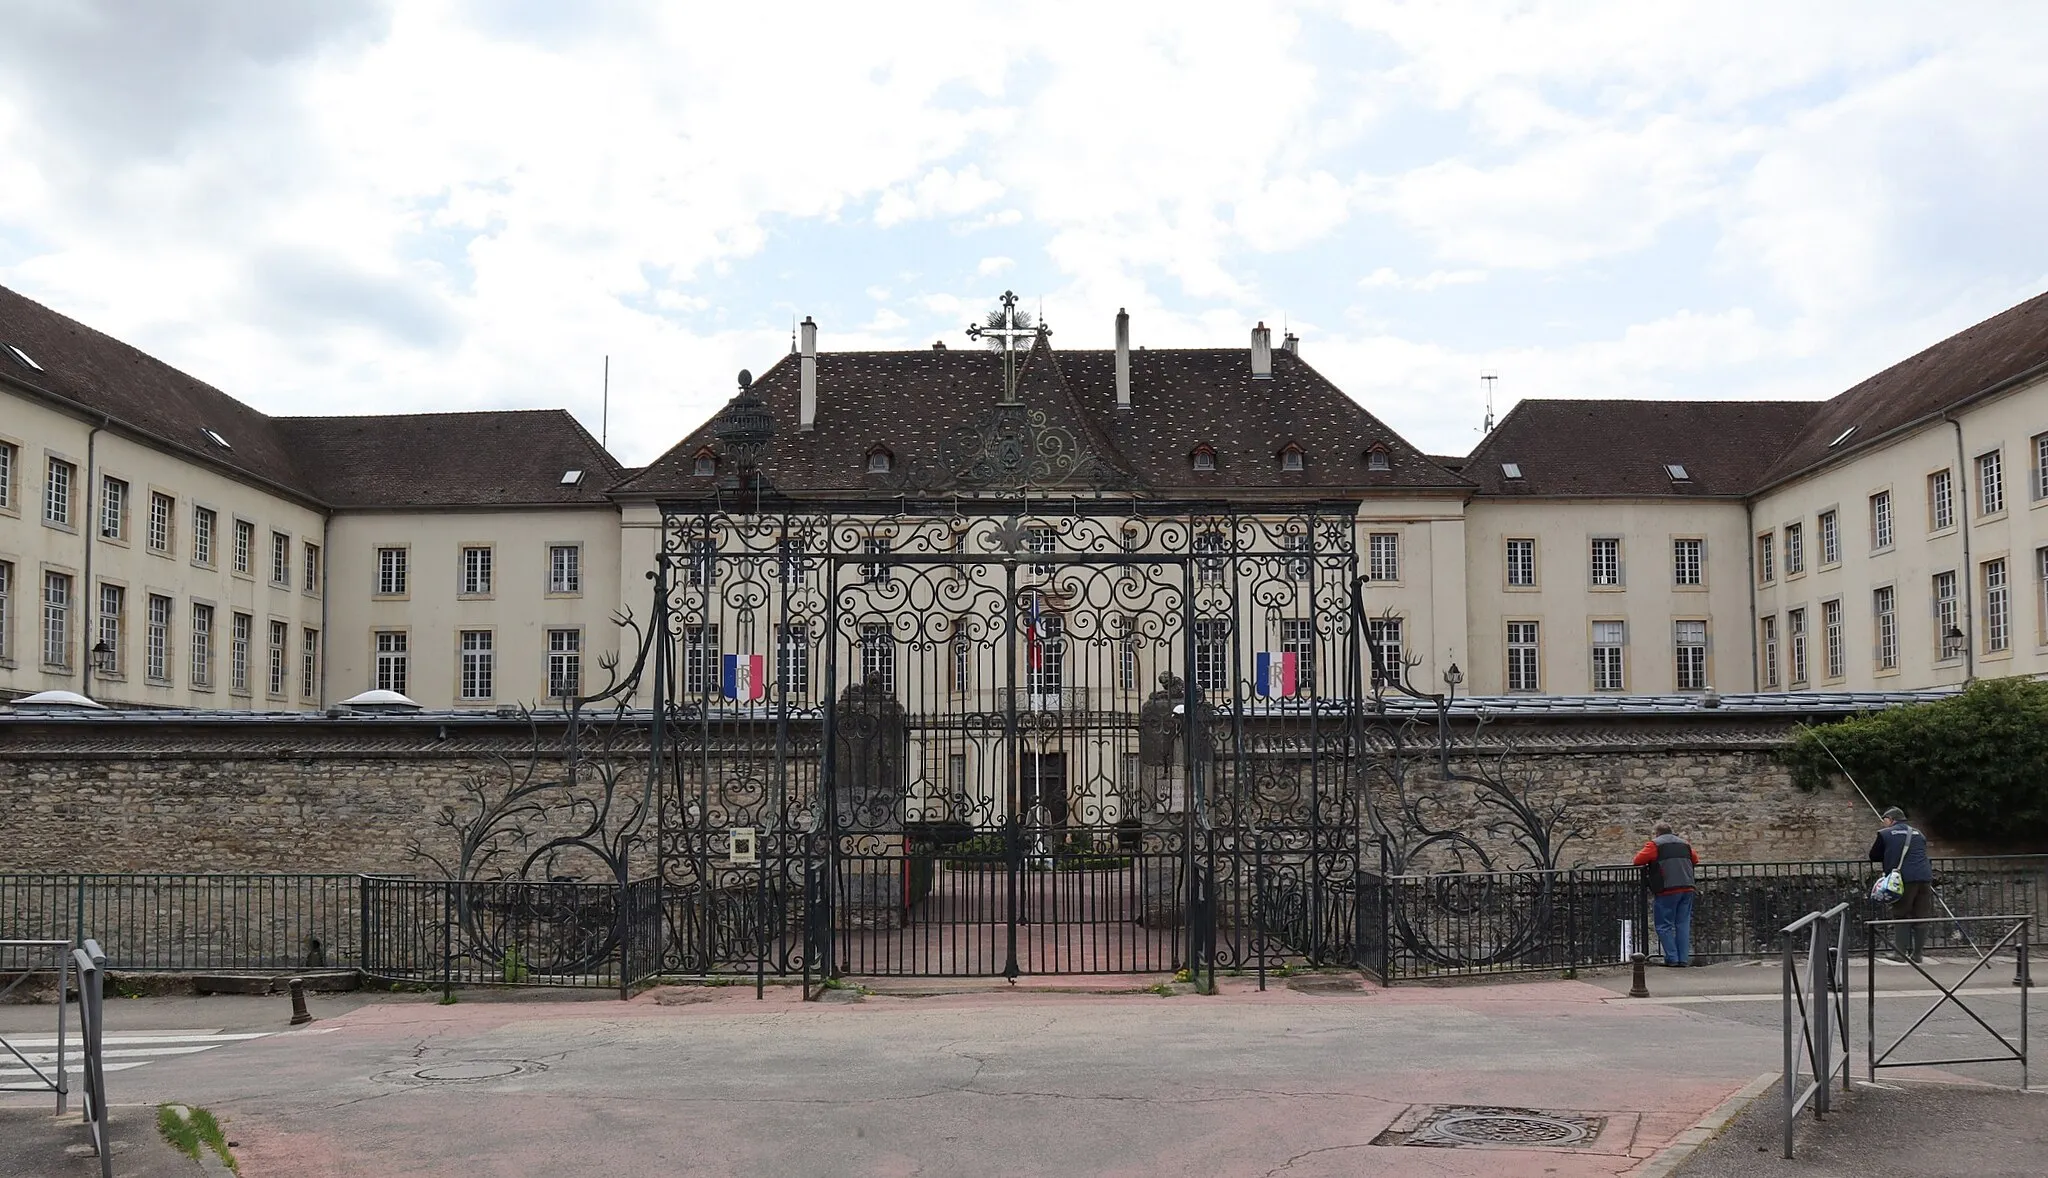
column 1939, row 898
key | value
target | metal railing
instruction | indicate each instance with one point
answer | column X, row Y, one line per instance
column 25, row 1054
column 92, row 1029
column 191, row 921
column 445, row 933
column 1821, row 1006
column 2012, row 931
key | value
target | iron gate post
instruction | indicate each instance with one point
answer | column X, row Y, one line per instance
column 1013, row 825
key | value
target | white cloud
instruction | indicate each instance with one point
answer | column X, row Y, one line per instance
column 938, row 193
column 990, row 267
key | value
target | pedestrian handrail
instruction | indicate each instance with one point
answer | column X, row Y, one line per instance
column 1817, row 1010
column 92, row 1030
column 2012, row 930
column 58, row 1080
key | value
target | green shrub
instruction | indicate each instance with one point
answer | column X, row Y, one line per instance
column 1973, row 766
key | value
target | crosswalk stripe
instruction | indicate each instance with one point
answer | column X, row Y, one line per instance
column 120, row 1053
column 28, row 1041
column 41, row 1057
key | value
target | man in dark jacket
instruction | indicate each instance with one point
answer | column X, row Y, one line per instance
column 1667, row 862
column 1902, row 849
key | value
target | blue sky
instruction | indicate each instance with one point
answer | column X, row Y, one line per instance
column 325, row 205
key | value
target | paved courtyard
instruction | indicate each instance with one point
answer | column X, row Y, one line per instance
column 1315, row 1077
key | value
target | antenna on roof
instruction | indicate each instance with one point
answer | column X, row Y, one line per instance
column 604, row 414
column 792, row 335
column 1489, row 376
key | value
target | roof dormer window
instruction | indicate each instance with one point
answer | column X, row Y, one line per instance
column 1291, row 457
column 1376, row 458
column 707, row 462
column 880, row 460
column 1511, row 470
column 1204, row 457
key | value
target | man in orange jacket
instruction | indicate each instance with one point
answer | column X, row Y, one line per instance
column 1667, row 862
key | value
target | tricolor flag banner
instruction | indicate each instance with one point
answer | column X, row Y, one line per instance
column 1277, row 672
column 744, row 677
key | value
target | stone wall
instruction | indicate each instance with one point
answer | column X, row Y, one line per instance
column 310, row 794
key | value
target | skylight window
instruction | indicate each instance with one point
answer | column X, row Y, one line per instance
column 1842, row 437
column 1511, row 470
column 1677, row 472
column 213, row 435
column 24, row 357
column 571, row 478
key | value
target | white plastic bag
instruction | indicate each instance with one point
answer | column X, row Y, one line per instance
column 1888, row 888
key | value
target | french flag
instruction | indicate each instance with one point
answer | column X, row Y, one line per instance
column 1277, row 672
column 743, row 677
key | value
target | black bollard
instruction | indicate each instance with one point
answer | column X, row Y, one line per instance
column 2020, row 976
column 300, row 1014
column 1641, row 989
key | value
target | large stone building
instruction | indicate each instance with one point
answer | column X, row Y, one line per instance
column 165, row 545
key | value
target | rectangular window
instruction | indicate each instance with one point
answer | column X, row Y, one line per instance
column 1990, row 484
column 1040, row 540
column 391, row 572
column 279, row 635
column 1766, row 568
column 1209, row 569
column 245, row 545
column 1830, row 538
column 57, row 492
column 239, row 640
column 56, row 619
column 956, row 775
column 1606, row 560
column 202, row 645
column 1298, row 638
column 1385, row 636
column 1046, row 674
column 1127, row 658
column 6, row 610
column 113, row 609
column 1607, row 655
column 1212, row 657
column 2041, row 466
column 565, row 568
column 700, row 659
column 1997, row 608
column 793, row 564
column 793, row 659
column 280, row 560
column 1881, row 521
column 960, row 678
column 1688, row 562
column 157, row 640
column 391, row 659
column 1770, row 650
column 1795, row 549
column 476, row 572
column 309, row 665
column 1385, row 556
column 312, row 569
column 1524, row 672
column 1521, row 557
column 113, row 508
column 1690, row 651
column 1301, row 565
column 565, row 663
column 477, row 664
column 1831, row 635
column 203, row 520
column 1947, row 611
column 701, row 564
column 1795, row 628
column 1884, row 614
column 1941, row 501
column 7, row 465
column 161, row 508
column 878, row 655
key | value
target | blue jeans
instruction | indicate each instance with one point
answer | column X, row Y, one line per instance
column 1674, row 926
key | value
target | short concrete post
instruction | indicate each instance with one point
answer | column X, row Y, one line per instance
column 1641, row 988
column 300, row 1014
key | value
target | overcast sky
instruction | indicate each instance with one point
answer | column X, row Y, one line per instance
column 347, row 205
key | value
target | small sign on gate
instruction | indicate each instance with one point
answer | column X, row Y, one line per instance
column 739, row 847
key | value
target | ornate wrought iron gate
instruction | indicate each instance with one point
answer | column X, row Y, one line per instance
column 941, row 743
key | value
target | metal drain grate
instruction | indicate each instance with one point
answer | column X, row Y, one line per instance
column 1464, row 1126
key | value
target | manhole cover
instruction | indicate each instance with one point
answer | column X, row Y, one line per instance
column 464, row 1071
column 1516, row 1128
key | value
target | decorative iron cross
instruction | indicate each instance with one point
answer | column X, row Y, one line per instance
column 1007, row 328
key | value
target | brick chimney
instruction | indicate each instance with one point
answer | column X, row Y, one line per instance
column 1262, row 353
column 807, row 377
column 1123, row 358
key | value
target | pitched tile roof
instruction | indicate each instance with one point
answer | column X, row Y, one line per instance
column 2005, row 347
column 931, row 408
column 497, row 458
column 1621, row 448
column 106, row 376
